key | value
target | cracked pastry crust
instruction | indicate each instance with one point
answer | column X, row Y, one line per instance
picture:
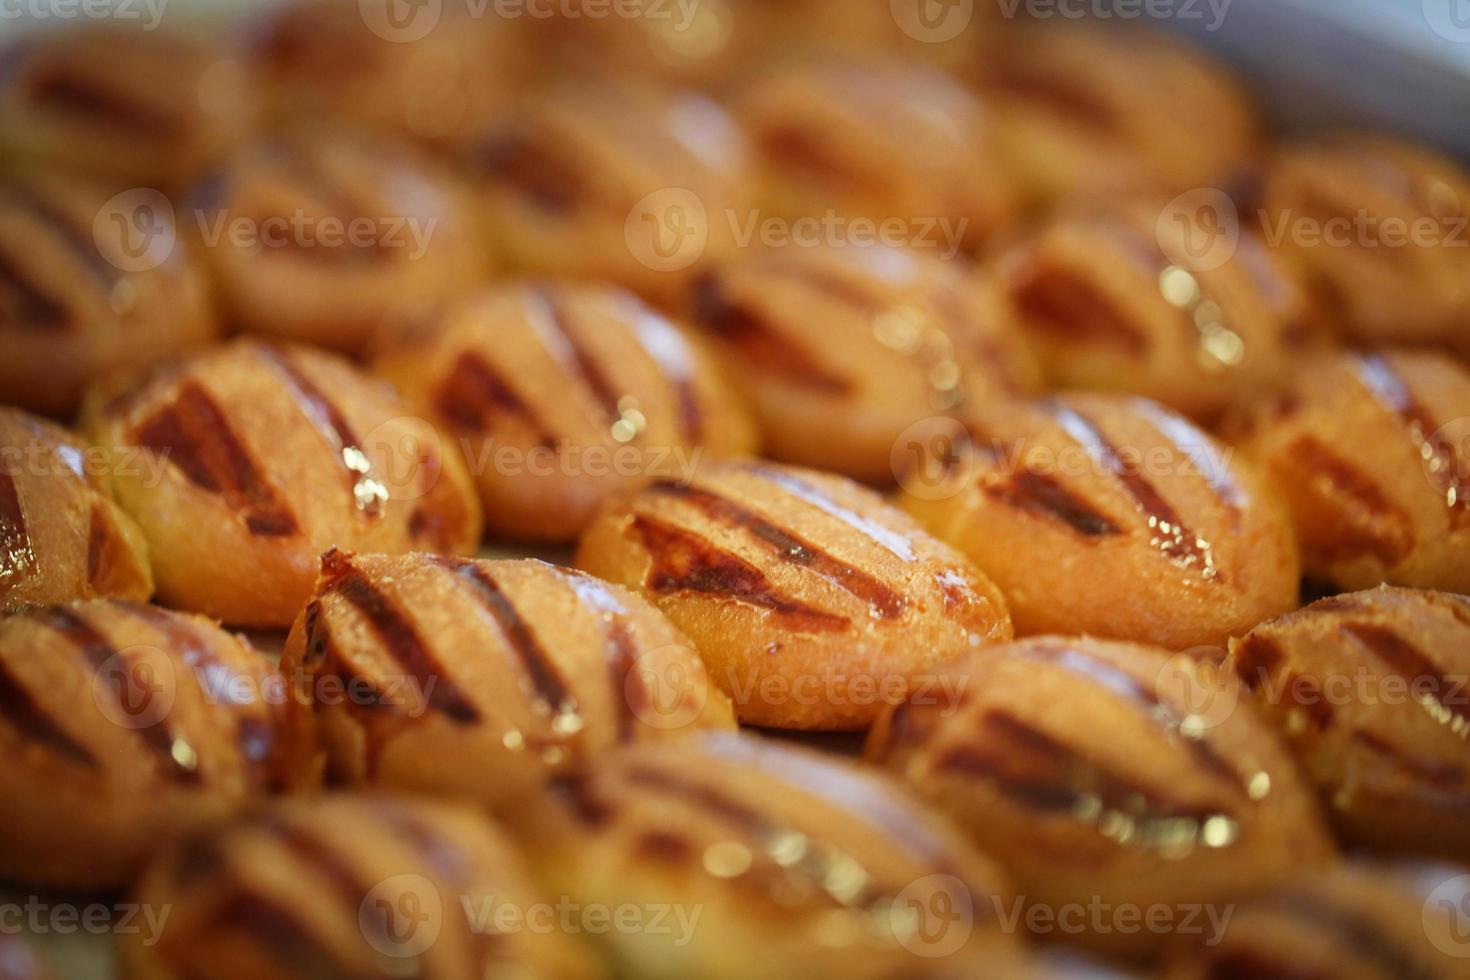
column 480, row 679
column 563, row 394
column 1187, row 798
column 810, row 599
column 122, row 724
column 273, row 455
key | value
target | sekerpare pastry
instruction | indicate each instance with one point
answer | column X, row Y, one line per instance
column 811, row 600
column 1153, row 785
column 480, row 679
column 273, row 455
column 561, row 394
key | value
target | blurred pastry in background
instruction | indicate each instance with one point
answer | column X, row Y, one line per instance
column 330, row 236
column 895, row 143
column 1372, row 452
column 1368, row 690
column 1107, row 773
column 273, row 455
column 1109, row 516
column 123, row 724
column 623, row 182
column 812, row 601
column 562, row 394
column 1383, row 228
column 90, row 285
column 843, row 349
column 61, row 536
column 129, row 107
column 1087, row 110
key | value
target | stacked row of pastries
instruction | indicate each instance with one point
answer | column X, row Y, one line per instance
column 1039, row 517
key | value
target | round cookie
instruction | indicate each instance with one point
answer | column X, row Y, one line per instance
column 1088, row 110
column 1372, row 452
column 794, row 863
column 122, row 724
column 1355, row 921
column 1379, row 224
column 562, row 394
column 133, row 108
column 1108, row 516
column 1109, row 773
column 271, row 456
column 61, row 536
column 897, row 144
column 481, row 679
column 83, row 292
column 844, row 349
column 1368, row 690
column 1118, row 298
column 612, row 181
column 349, row 886
column 812, row 602
column 328, row 236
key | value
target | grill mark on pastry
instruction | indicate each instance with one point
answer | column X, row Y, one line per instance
column 193, row 433
column 474, row 393
column 1257, row 658
column 542, row 175
column 684, row 561
column 883, row 601
column 1366, row 520
column 795, row 148
column 401, row 641
column 79, row 241
column 1410, row 663
column 1438, row 454
column 1250, row 964
column 71, row 93
column 1442, row 777
column 17, row 554
column 896, row 543
column 369, row 495
column 1070, row 307
column 759, row 341
column 560, row 337
column 170, row 749
column 550, row 687
column 22, row 712
column 1167, row 531
column 1357, row 933
column 322, row 860
column 576, row 791
column 1053, row 93
column 670, row 350
column 1044, row 495
column 33, row 306
column 100, row 541
column 629, row 691
column 283, row 936
column 1188, row 439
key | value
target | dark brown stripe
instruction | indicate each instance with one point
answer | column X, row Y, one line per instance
column 813, row 159
column 1044, row 495
column 545, row 678
column 1438, row 454
column 324, row 862
column 585, row 365
column 668, row 347
column 1257, row 658
column 24, row 714
column 629, row 692
column 1052, row 93
column 78, row 238
column 281, row 936
column 69, row 93
column 1363, row 519
column 896, row 543
column 17, row 556
column 758, row 341
column 682, row 561
column 194, row 434
column 474, row 394
column 122, row 679
column 403, row 644
column 368, row 494
column 883, row 600
column 543, row 175
column 1358, row 935
column 576, row 791
column 1070, row 308
column 26, row 304
column 1410, row 663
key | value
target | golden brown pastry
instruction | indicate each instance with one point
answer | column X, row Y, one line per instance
column 273, row 455
column 636, row 186
column 1381, row 226
column 1089, row 110
column 1107, row 772
column 776, row 862
column 895, row 143
column 131, row 107
column 1109, row 516
column 1354, row 922
column 433, row 73
column 1369, row 691
column 843, row 349
column 121, row 724
column 61, row 536
column 482, row 678
column 1116, row 298
column 89, row 285
column 329, row 236
column 561, row 394
column 1371, row 452
column 351, row 887
column 811, row 600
